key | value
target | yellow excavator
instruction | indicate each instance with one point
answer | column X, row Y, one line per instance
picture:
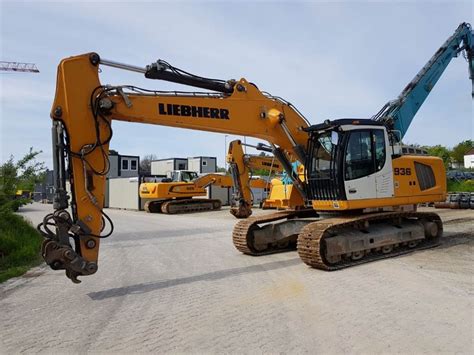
column 354, row 168
column 176, row 193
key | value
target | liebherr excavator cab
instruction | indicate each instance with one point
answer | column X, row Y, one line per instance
column 357, row 164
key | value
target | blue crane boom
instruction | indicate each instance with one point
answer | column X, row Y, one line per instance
column 399, row 113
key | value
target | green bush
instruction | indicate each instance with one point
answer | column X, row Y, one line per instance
column 461, row 186
column 12, row 205
column 20, row 245
column 19, row 175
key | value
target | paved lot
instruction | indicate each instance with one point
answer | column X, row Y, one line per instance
column 176, row 284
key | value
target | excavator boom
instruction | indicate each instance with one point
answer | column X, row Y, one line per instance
column 83, row 111
column 398, row 114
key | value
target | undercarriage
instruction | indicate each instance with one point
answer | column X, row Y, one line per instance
column 182, row 206
column 338, row 242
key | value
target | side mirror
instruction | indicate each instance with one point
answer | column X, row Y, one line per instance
column 334, row 137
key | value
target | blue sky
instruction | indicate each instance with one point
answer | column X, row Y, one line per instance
column 331, row 60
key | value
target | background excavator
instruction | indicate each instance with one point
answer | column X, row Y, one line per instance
column 354, row 168
column 176, row 193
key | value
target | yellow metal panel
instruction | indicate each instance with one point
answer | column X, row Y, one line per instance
column 406, row 187
column 283, row 196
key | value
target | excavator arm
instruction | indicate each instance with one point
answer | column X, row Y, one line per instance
column 226, row 181
column 83, row 111
column 398, row 114
column 267, row 163
column 241, row 166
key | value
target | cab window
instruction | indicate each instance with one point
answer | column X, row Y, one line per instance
column 379, row 143
column 365, row 153
column 359, row 160
column 188, row 176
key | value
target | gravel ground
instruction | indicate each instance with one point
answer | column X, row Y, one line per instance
column 174, row 284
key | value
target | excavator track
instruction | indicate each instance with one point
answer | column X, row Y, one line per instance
column 315, row 237
column 190, row 205
column 152, row 206
column 243, row 233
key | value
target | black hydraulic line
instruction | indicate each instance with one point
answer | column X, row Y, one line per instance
column 300, row 152
column 154, row 72
column 59, row 167
column 264, row 147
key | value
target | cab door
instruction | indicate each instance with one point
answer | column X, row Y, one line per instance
column 383, row 164
column 367, row 166
column 359, row 166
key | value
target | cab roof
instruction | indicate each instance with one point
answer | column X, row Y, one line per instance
column 328, row 124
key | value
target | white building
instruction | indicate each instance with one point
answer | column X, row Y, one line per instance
column 469, row 158
column 123, row 166
column 164, row 166
column 121, row 188
column 202, row 165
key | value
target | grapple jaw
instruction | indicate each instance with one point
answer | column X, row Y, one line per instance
column 63, row 257
column 56, row 249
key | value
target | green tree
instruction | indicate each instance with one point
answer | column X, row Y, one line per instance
column 440, row 151
column 457, row 154
column 145, row 164
column 20, row 175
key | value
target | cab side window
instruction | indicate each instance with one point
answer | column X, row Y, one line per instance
column 379, row 144
column 365, row 153
column 359, row 160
